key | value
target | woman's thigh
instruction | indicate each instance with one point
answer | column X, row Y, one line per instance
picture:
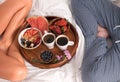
column 7, row 11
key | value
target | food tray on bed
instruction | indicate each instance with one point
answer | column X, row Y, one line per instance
column 33, row 55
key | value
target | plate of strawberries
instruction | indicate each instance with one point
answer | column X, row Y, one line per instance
column 59, row 26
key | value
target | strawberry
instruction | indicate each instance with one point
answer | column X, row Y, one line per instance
column 59, row 26
column 25, row 35
column 34, row 32
column 29, row 34
column 57, row 30
column 51, row 27
column 32, row 21
column 61, row 22
column 42, row 24
column 37, row 40
column 38, row 22
column 31, row 31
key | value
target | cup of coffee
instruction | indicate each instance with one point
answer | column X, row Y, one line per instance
column 62, row 41
column 48, row 39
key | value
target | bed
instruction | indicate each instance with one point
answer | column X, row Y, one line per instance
column 69, row 72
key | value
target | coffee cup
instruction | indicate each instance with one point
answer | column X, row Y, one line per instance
column 62, row 41
column 48, row 39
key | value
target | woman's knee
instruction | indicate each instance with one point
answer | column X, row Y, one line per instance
column 23, row 3
column 19, row 73
column 27, row 3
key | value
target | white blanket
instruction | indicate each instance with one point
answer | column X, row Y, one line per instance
column 69, row 72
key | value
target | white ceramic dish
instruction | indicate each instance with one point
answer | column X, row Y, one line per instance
column 21, row 35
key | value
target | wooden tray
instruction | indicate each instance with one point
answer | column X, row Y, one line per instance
column 32, row 56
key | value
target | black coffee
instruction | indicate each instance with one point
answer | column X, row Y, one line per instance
column 62, row 41
column 49, row 38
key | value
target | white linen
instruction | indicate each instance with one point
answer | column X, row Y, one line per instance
column 69, row 72
column 1, row 1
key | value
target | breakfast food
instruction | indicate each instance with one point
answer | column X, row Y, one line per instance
column 31, row 38
column 39, row 22
column 59, row 26
column 47, row 56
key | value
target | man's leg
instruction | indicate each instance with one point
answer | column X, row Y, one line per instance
column 99, row 65
column 85, row 20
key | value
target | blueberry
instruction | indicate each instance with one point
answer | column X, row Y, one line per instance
column 46, row 56
column 28, row 43
column 23, row 41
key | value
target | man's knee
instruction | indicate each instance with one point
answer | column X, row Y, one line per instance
column 88, row 77
column 93, row 74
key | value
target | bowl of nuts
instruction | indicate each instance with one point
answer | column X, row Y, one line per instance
column 30, row 38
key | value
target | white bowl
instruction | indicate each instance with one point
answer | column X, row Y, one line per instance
column 21, row 36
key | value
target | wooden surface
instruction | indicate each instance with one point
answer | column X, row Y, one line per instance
column 33, row 56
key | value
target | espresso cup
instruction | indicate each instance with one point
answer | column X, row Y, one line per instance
column 48, row 39
column 62, row 41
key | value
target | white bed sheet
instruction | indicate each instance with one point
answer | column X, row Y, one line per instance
column 69, row 72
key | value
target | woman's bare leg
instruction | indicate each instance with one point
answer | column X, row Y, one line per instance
column 13, row 20
column 12, row 66
column 7, row 10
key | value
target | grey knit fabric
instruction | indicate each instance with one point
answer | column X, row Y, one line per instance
column 100, row 63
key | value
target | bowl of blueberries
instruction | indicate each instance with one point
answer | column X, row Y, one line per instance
column 30, row 38
column 47, row 57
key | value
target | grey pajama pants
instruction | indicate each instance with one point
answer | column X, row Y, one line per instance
column 100, row 63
